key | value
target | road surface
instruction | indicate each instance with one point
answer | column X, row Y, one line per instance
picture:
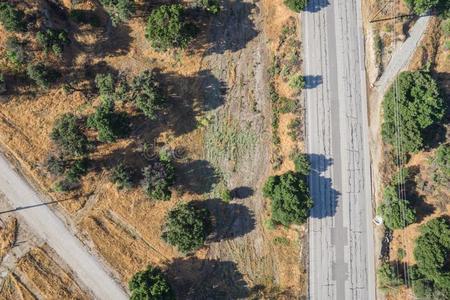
column 51, row 229
column 341, row 258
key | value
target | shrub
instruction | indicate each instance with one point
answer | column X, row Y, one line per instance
column 187, row 227
column 56, row 165
column 432, row 251
column 68, row 135
column 297, row 82
column 110, row 87
column 119, row 10
column 11, row 18
column 396, row 212
column 212, row 6
column 296, row 5
column 158, row 179
column 446, row 27
column 146, row 94
column 53, row 40
column 110, row 124
column 167, row 28
column 419, row 106
column 121, row 176
column 301, row 162
column 15, row 52
column 421, row 6
column 441, row 163
column 290, row 198
column 150, row 284
column 72, row 176
column 42, row 75
column 226, row 195
column 387, row 277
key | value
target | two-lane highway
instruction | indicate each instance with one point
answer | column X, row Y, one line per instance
column 341, row 263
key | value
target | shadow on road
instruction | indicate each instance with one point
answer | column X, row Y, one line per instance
column 324, row 196
column 313, row 81
column 33, row 206
column 316, row 5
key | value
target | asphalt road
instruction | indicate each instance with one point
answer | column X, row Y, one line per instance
column 341, row 251
column 50, row 228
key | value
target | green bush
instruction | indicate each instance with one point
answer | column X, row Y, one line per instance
column 187, row 227
column 159, row 177
column 56, row 165
column 419, row 106
column 212, row 6
column 72, row 174
column 301, row 163
column 397, row 213
column 150, row 284
column 15, row 52
column 296, row 5
column 297, row 82
column 167, row 28
column 11, row 18
column 432, row 252
column 42, row 75
column 146, row 94
column 421, row 6
column 119, row 10
column 226, row 195
column 446, row 27
column 109, row 124
column 111, row 88
column 441, row 163
column 121, row 176
column 290, row 199
column 53, row 40
column 387, row 277
column 69, row 136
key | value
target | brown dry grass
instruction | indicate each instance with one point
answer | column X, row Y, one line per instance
column 46, row 276
column 8, row 235
column 14, row 289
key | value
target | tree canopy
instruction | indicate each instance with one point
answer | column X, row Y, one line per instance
column 146, row 94
column 110, row 124
column 167, row 28
column 11, row 18
column 421, row 6
column 119, row 10
column 397, row 213
column 187, row 227
column 68, row 135
column 387, row 277
column 158, row 178
column 432, row 252
column 419, row 106
column 150, row 284
column 296, row 5
column 42, row 75
column 291, row 202
column 441, row 162
column 53, row 40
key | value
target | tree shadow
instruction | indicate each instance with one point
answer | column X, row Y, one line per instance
column 313, row 81
column 434, row 135
column 232, row 28
column 324, row 196
column 115, row 41
column 194, row 278
column 242, row 192
column 188, row 97
column 230, row 220
column 316, row 5
column 197, row 176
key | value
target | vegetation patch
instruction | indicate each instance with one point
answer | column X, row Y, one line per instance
column 150, row 284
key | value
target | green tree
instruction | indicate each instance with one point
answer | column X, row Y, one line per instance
column 109, row 124
column 15, row 52
column 42, row 75
column 291, row 202
column 111, row 87
column 159, row 177
column 397, row 213
column 146, row 94
column 11, row 18
column 387, row 277
column 119, row 10
column 421, row 6
column 121, row 176
column 150, row 284
column 69, row 136
column 53, row 40
column 419, row 106
column 212, row 6
column 432, row 252
column 187, row 227
column 167, row 28
column 441, row 163
column 296, row 5
column 301, row 163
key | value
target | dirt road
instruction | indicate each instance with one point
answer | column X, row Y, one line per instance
column 30, row 206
